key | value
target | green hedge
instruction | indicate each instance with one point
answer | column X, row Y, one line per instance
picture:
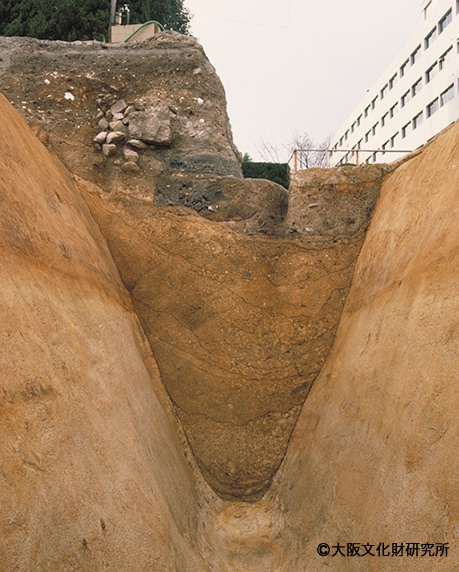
column 277, row 172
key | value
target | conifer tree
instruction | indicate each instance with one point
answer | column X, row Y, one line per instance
column 83, row 19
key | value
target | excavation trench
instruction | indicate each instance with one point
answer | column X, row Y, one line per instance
column 163, row 323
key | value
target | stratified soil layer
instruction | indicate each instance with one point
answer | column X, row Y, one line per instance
column 240, row 295
column 303, row 341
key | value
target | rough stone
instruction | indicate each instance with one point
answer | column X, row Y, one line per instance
column 130, row 155
column 100, row 137
column 130, row 167
column 103, row 124
column 152, row 126
column 152, row 166
column 109, row 149
column 119, row 126
column 137, row 144
column 118, row 107
column 115, row 137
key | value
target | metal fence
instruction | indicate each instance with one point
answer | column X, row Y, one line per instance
column 307, row 158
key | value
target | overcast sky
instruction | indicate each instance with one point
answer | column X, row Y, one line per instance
column 296, row 66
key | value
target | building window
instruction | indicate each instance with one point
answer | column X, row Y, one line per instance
column 359, row 119
column 373, row 103
column 346, row 135
column 359, row 144
column 367, row 136
column 417, row 120
column 416, row 87
column 406, row 98
column 392, row 81
column 374, row 128
column 405, row 130
column 393, row 110
column 373, row 157
column 425, row 10
column 430, row 38
column 415, row 55
column 367, row 110
column 432, row 72
column 433, row 107
column 447, row 18
column 403, row 68
column 385, row 146
column 394, row 140
column 447, row 95
column 384, row 119
column 341, row 142
column 446, row 58
column 353, row 127
column 384, row 91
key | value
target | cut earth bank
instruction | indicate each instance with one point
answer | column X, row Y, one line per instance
column 239, row 290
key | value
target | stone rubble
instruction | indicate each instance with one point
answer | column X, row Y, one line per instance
column 100, row 137
column 118, row 107
column 151, row 126
column 115, row 137
column 130, row 155
column 143, row 129
column 109, row 149
column 130, row 167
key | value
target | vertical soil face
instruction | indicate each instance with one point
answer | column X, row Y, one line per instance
column 240, row 294
column 93, row 469
column 371, row 458
column 229, row 293
column 239, row 325
column 240, row 321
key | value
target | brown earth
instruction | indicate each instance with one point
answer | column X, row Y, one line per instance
column 64, row 89
column 234, row 309
column 240, row 307
column 372, row 456
column 93, row 470
column 239, row 325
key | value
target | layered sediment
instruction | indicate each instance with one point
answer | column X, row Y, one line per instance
column 167, row 320
column 239, row 296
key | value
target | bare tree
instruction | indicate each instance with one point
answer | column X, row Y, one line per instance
column 310, row 153
column 270, row 153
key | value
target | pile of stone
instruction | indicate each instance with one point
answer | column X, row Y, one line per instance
column 128, row 131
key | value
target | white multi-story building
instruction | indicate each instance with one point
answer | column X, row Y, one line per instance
column 415, row 98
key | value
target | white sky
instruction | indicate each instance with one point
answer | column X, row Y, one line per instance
column 298, row 66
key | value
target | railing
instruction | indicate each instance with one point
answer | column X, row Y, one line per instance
column 305, row 159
